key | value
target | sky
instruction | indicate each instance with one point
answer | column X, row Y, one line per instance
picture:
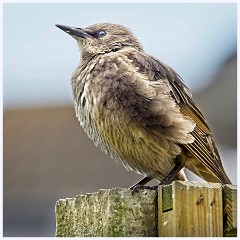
column 39, row 59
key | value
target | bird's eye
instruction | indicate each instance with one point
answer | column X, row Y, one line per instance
column 101, row 33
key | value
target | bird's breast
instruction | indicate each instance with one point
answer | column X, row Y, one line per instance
column 126, row 116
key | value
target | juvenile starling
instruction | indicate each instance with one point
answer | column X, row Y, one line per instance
column 138, row 110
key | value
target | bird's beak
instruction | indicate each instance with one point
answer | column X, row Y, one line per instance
column 78, row 32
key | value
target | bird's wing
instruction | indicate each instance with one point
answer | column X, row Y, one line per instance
column 203, row 148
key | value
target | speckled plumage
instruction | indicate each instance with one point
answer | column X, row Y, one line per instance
column 137, row 109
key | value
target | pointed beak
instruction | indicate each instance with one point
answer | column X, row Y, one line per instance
column 78, row 32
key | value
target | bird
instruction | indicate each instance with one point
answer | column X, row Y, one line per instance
column 138, row 109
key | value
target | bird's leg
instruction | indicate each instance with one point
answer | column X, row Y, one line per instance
column 140, row 184
column 172, row 174
column 170, row 177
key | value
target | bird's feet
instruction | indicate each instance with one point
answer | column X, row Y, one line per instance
column 138, row 187
column 141, row 184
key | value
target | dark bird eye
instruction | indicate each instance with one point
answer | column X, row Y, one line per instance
column 101, row 33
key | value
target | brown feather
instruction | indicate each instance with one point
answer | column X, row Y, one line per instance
column 203, row 148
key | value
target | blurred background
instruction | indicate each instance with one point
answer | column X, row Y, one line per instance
column 46, row 154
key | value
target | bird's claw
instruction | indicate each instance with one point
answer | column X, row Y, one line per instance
column 137, row 188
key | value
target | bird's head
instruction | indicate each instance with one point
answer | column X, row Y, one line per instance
column 102, row 38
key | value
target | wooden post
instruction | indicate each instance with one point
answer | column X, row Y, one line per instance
column 188, row 209
column 181, row 209
column 108, row 213
column 230, row 210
